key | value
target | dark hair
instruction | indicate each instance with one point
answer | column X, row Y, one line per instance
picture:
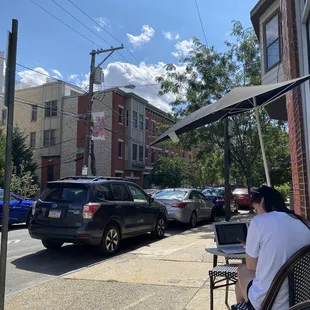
column 273, row 201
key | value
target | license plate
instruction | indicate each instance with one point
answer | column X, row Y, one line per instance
column 54, row 214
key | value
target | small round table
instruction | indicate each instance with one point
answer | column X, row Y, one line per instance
column 216, row 252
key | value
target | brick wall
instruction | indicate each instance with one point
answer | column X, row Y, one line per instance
column 294, row 111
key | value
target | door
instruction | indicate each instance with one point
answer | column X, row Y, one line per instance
column 127, row 210
column 207, row 205
column 200, row 204
column 147, row 213
column 17, row 211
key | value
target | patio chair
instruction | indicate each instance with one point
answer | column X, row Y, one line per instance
column 297, row 271
column 302, row 306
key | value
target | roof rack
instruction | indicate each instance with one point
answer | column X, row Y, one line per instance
column 109, row 178
column 93, row 178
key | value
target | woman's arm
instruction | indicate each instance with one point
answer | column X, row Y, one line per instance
column 251, row 262
column 252, row 246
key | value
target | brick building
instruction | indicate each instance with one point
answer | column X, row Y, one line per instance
column 51, row 115
column 282, row 27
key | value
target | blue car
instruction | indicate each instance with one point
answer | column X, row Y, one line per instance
column 20, row 210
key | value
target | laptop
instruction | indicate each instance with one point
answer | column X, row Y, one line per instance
column 228, row 236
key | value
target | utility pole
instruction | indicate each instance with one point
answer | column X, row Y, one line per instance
column 90, row 107
column 227, row 170
column 9, row 103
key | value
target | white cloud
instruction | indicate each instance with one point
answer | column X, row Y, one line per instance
column 57, row 74
column 183, row 48
column 167, row 35
column 103, row 22
column 33, row 78
column 146, row 35
column 72, row 76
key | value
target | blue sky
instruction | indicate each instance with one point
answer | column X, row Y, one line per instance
column 156, row 32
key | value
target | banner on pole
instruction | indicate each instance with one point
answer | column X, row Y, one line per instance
column 98, row 126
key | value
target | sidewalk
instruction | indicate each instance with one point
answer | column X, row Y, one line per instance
column 168, row 274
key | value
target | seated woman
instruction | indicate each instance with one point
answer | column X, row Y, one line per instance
column 274, row 235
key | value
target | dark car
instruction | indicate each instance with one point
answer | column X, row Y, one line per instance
column 19, row 209
column 99, row 211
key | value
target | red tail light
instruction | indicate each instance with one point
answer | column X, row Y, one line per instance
column 181, row 205
column 34, row 208
column 89, row 210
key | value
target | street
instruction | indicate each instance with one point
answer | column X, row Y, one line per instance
column 29, row 263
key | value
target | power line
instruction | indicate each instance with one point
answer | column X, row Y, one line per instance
column 203, row 29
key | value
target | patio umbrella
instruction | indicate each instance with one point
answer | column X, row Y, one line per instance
column 238, row 100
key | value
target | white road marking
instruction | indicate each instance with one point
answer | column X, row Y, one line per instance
column 138, row 301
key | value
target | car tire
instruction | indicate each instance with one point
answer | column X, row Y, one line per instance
column 212, row 217
column 110, row 240
column 193, row 220
column 160, row 228
column 52, row 245
column 29, row 218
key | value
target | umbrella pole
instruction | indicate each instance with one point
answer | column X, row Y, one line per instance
column 261, row 142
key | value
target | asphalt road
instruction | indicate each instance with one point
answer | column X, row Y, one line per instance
column 29, row 263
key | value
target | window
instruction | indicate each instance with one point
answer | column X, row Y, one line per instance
column 141, row 152
column 146, row 124
column 135, row 119
column 50, row 108
column 33, row 137
column 196, row 195
column 49, row 137
column 153, row 129
column 118, row 175
column 141, row 121
column 120, row 115
column 153, row 157
column 104, row 192
column 272, row 42
column 4, row 116
column 34, row 113
column 120, row 192
column 120, row 149
column 127, row 118
column 146, row 152
column 137, row 194
column 183, row 155
column 62, row 192
column 134, row 151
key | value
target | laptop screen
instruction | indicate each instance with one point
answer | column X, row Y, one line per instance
column 230, row 233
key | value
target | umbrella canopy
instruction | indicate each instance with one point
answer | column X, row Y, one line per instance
column 238, row 100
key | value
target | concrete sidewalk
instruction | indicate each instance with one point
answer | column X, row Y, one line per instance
column 168, row 274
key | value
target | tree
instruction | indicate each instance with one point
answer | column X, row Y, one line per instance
column 23, row 184
column 169, row 172
column 22, row 155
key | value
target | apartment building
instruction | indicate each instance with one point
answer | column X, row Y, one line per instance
column 53, row 117
column 282, row 27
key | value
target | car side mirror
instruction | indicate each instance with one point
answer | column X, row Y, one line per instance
column 151, row 199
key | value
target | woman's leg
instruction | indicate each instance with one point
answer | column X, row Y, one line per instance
column 245, row 276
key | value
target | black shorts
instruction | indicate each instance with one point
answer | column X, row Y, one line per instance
column 249, row 304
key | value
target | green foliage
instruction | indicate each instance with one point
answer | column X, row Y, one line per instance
column 284, row 189
column 169, row 172
column 23, row 183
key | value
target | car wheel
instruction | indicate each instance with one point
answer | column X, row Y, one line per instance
column 110, row 240
column 193, row 219
column 212, row 217
column 160, row 228
column 29, row 218
column 52, row 245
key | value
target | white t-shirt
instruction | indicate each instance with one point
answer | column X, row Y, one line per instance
column 273, row 237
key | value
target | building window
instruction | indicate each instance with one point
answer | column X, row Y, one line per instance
column 120, row 149
column 49, row 137
column 153, row 129
column 50, row 108
column 272, row 42
column 4, row 116
column 146, row 152
column 183, row 155
column 33, row 139
column 135, row 119
column 146, row 124
column 141, row 152
column 141, row 122
column 118, row 175
column 127, row 118
column 120, row 115
column 134, row 151
column 34, row 113
column 153, row 156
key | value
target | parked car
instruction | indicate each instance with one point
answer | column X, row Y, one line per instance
column 98, row 211
column 19, row 209
column 186, row 205
column 217, row 196
column 152, row 191
column 242, row 198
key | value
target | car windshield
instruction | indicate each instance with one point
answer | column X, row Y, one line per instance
column 240, row 191
column 171, row 194
column 150, row 191
column 64, row 192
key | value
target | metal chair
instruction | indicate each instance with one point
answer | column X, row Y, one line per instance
column 297, row 271
column 301, row 306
